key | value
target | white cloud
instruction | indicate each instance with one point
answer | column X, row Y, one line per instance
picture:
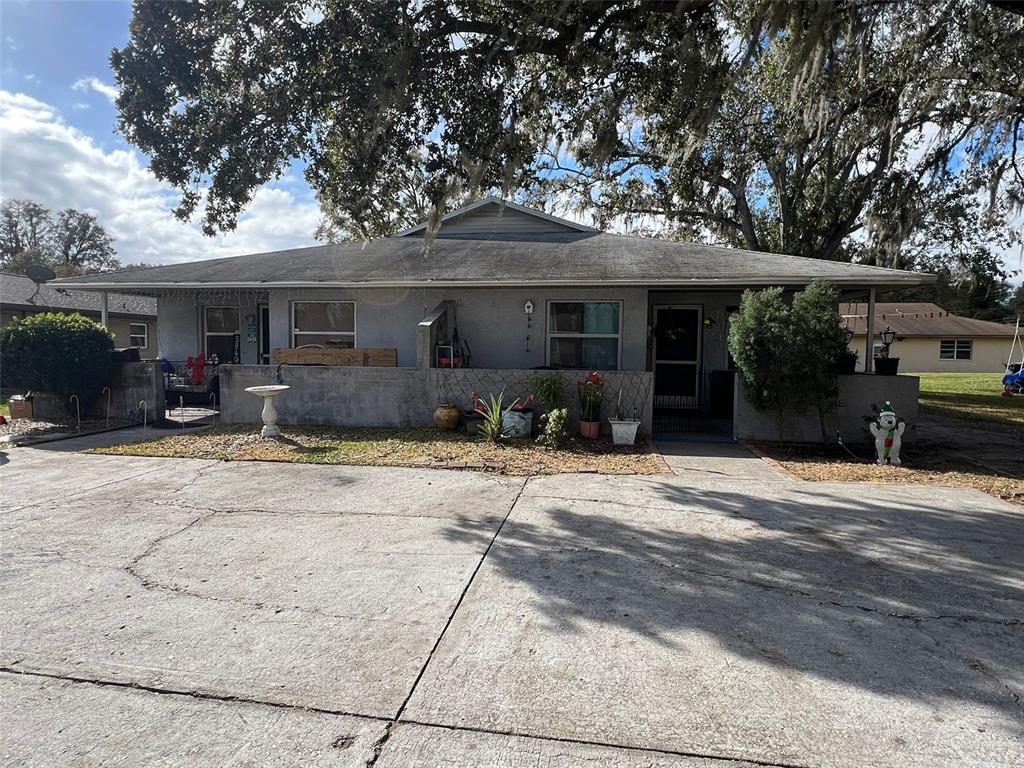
column 87, row 84
column 47, row 160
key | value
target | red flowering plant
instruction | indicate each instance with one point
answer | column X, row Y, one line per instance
column 591, row 391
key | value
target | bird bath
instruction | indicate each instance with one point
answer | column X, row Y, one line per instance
column 268, row 392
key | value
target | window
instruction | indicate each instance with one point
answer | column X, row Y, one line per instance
column 330, row 323
column 138, row 335
column 956, row 349
column 223, row 335
column 584, row 334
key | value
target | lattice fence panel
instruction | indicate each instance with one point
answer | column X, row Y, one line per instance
column 457, row 385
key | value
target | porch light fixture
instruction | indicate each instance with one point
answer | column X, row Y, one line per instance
column 888, row 336
column 848, row 335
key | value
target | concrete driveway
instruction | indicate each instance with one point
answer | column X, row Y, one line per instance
column 168, row 612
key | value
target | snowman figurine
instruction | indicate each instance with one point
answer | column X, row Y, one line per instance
column 888, row 433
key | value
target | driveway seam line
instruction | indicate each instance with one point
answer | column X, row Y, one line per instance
column 607, row 744
column 392, row 723
column 227, row 698
column 462, row 596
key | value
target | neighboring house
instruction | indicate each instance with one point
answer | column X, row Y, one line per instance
column 523, row 290
column 132, row 319
column 929, row 339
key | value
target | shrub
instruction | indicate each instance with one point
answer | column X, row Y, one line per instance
column 493, row 410
column 56, row 353
column 549, row 391
column 556, row 428
column 788, row 355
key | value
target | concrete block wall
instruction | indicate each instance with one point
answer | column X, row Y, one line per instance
column 130, row 384
column 857, row 394
column 339, row 395
column 400, row 397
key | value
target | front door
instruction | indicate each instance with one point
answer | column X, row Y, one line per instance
column 676, row 355
column 264, row 334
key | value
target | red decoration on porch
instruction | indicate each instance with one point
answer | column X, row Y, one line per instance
column 197, row 365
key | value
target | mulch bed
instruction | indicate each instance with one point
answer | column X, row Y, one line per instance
column 398, row 448
column 929, row 467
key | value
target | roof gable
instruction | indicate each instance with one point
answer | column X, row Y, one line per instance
column 493, row 217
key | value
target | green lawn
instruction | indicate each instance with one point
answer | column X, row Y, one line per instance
column 971, row 394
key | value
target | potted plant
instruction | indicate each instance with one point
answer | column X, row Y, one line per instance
column 472, row 416
column 555, row 418
column 494, row 411
column 518, row 420
column 846, row 365
column 623, row 430
column 591, row 392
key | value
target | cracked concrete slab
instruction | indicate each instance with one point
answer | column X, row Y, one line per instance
column 52, row 722
column 332, row 489
column 740, row 619
column 335, row 611
column 692, row 627
column 899, row 555
column 415, row 746
column 32, row 475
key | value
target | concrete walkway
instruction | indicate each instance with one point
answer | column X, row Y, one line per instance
column 717, row 461
column 239, row 614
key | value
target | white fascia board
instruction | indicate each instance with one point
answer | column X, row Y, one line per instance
column 886, row 280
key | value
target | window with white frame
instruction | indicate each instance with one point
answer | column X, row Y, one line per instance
column 584, row 334
column 956, row 349
column 223, row 334
column 138, row 335
column 329, row 323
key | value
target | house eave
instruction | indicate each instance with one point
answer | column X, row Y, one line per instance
column 886, row 281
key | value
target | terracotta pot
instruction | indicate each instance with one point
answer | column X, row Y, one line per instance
column 590, row 429
column 446, row 416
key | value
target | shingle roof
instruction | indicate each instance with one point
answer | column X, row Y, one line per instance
column 920, row 319
column 17, row 290
column 572, row 258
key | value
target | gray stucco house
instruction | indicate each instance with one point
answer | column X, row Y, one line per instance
column 510, row 288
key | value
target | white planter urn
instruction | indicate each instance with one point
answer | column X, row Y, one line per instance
column 268, row 393
column 624, row 431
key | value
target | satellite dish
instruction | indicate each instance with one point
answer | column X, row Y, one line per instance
column 39, row 274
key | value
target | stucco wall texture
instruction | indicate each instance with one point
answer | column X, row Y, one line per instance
column 492, row 321
column 857, row 394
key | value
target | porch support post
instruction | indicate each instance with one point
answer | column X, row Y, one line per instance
column 104, row 319
column 870, row 343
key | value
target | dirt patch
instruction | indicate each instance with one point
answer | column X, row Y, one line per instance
column 398, row 448
column 41, row 427
column 937, row 466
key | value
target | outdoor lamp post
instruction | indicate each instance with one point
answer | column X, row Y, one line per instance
column 884, row 363
column 847, row 335
column 888, row 336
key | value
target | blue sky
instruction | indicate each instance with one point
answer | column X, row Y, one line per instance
column 59, row 146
